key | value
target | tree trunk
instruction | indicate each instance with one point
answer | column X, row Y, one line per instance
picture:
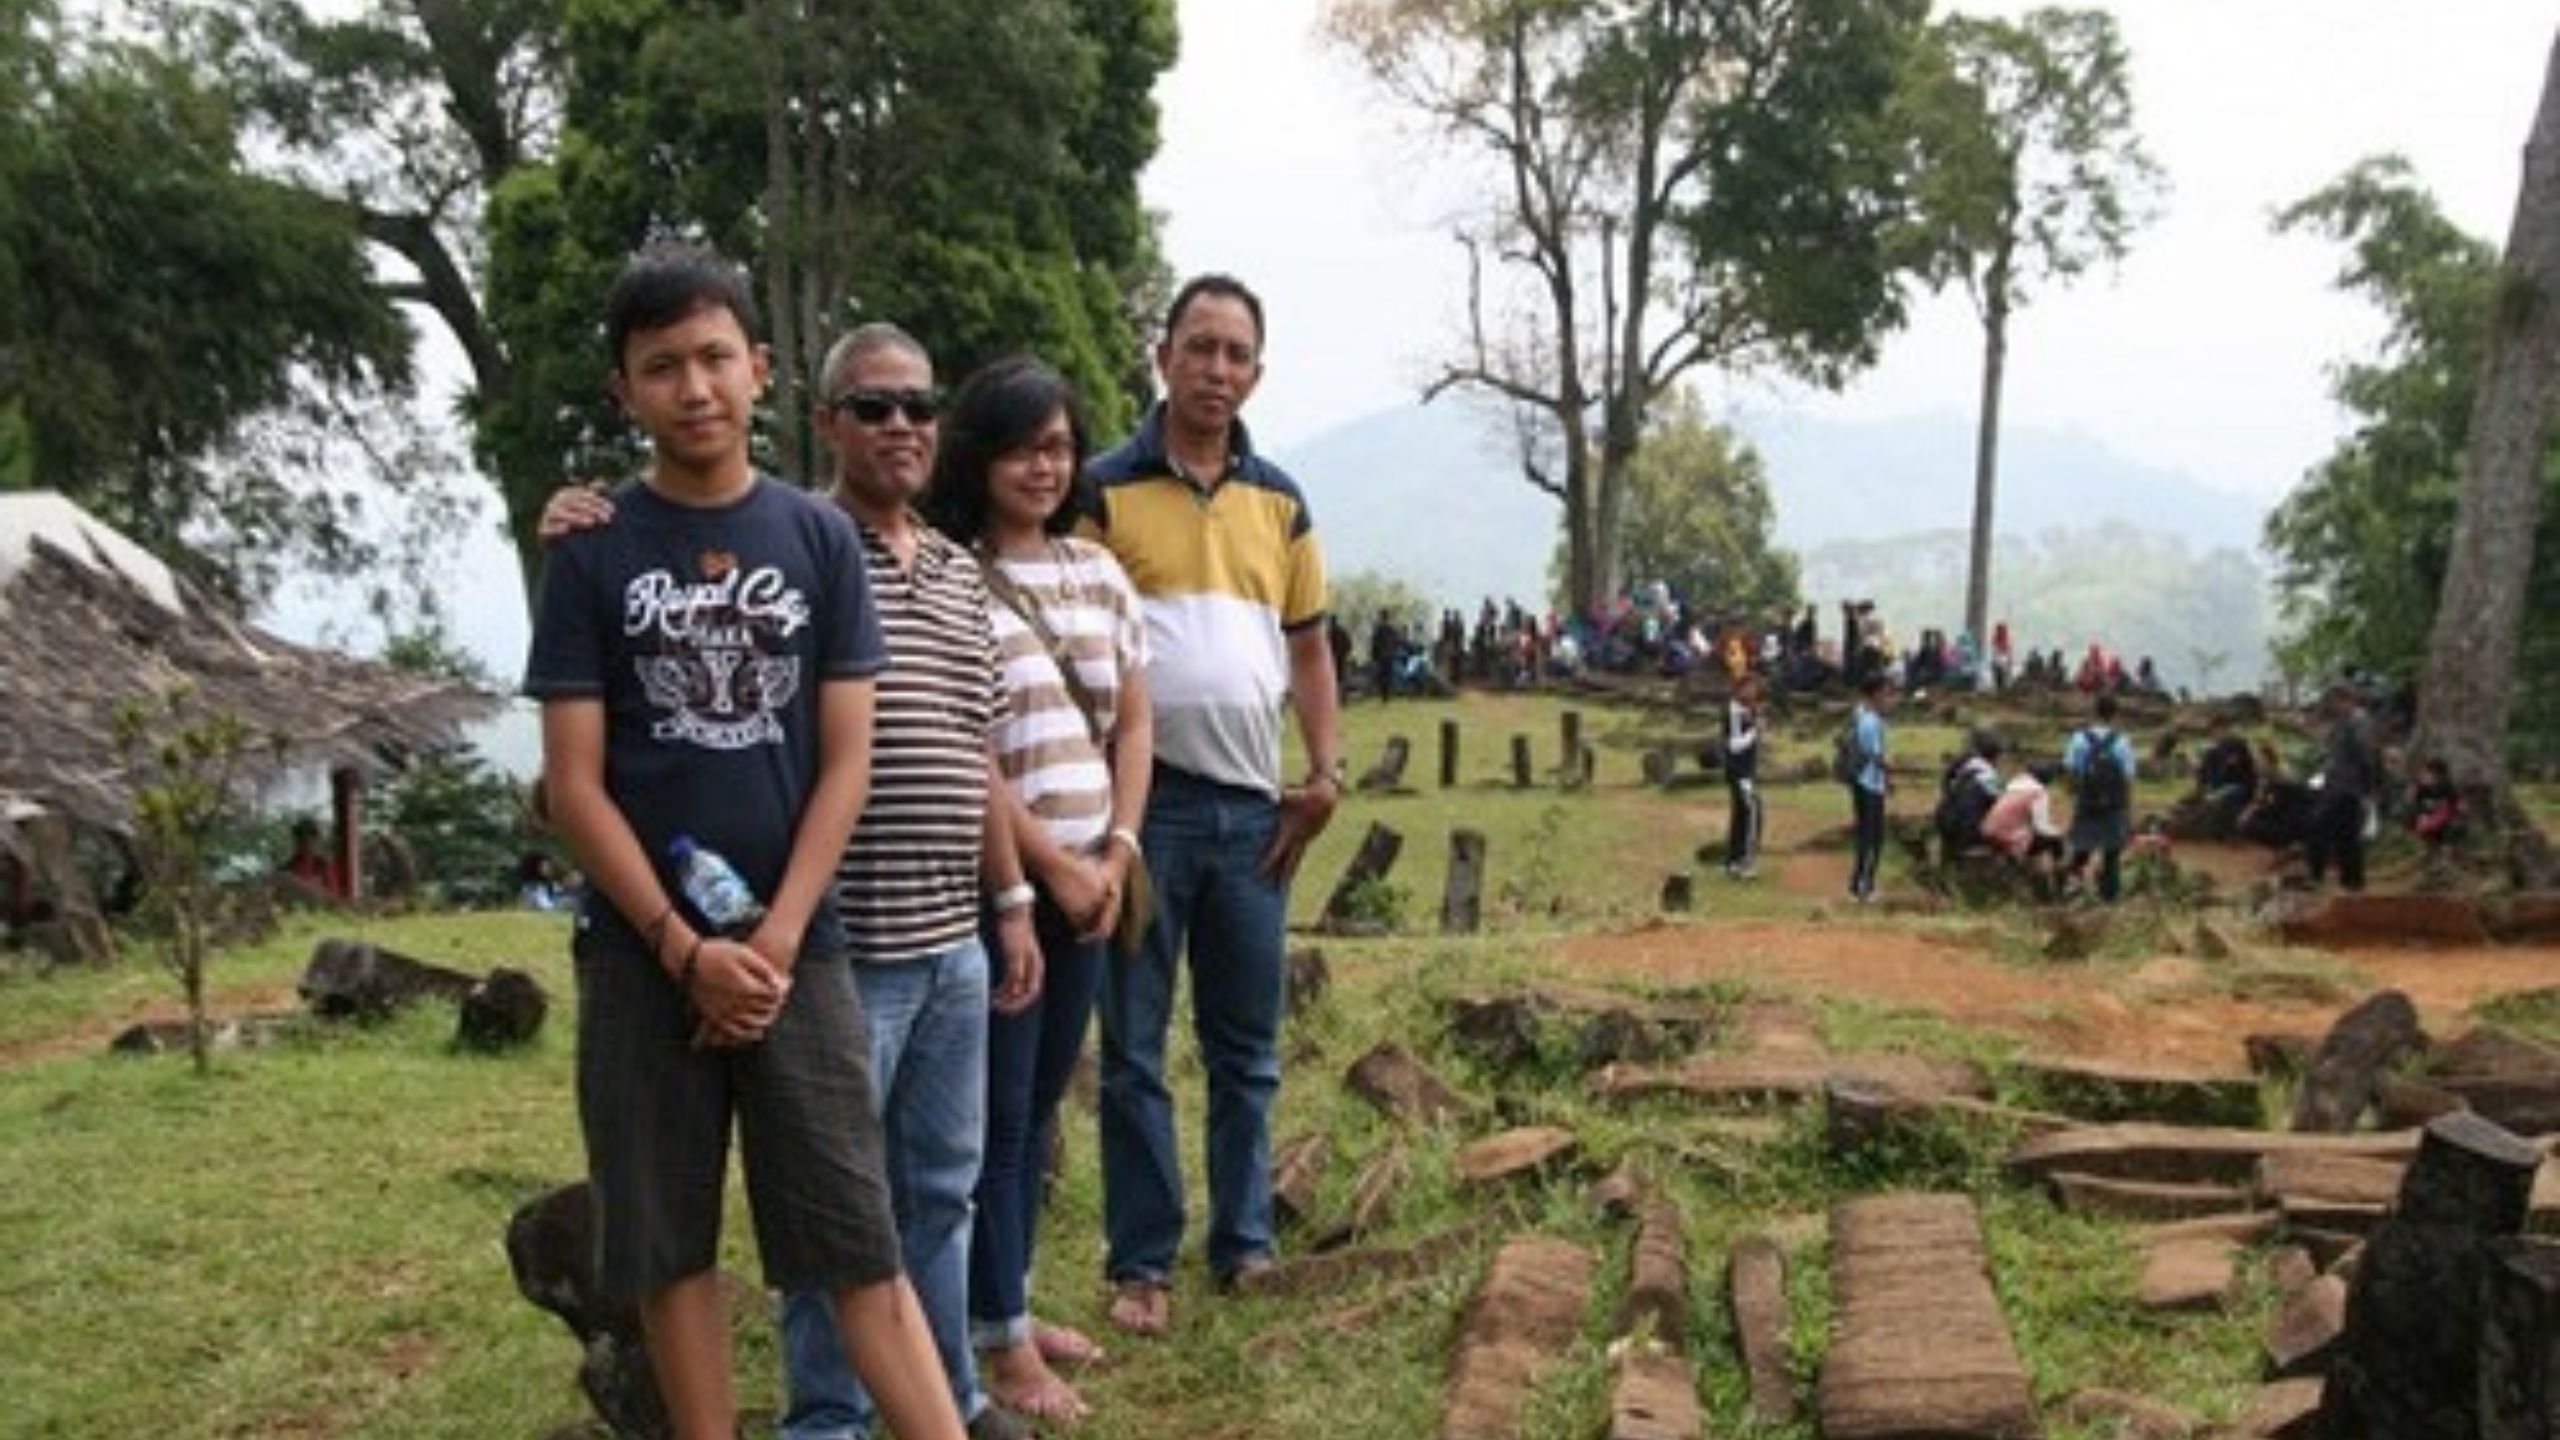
column 1584, row 586
column 784, row 244
column 1608, row 513
column 2466, row 695
column 1986, row 448
column 190, row 943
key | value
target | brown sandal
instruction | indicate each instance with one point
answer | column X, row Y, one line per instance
column 1142, row 1307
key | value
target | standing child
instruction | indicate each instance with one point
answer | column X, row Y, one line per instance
column 1742, row 777
column 2100, row 760
column 1867, row 780
column 705, row 670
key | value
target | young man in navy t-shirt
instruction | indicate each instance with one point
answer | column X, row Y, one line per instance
column 705, row 670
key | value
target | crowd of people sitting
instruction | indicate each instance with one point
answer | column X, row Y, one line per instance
column 2330, row 805
column 1650, row 631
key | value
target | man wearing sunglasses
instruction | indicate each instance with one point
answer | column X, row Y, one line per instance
column 909, row 882
column 1221, row 548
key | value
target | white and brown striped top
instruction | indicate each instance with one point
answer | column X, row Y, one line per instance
column 1046, row 749
column 908, row 885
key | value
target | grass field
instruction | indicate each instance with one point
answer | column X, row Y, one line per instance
column 309, row 1242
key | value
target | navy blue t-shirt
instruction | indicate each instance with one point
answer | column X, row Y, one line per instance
column 706, row 633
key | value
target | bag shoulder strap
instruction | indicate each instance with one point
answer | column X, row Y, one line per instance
column 1003, row 588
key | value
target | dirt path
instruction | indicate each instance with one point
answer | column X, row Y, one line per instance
column 92, row 1036
column 2170, row 1013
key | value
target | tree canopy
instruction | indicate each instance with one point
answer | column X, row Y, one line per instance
column 848, row 153
column 2362, row 544
column 181, row 340
column 968, row 171
column 1665, row 185
column 1699, row 518
column 2031, row 172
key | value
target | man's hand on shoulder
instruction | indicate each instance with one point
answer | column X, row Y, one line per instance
column 573, row 508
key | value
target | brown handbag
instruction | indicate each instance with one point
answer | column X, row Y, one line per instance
column 1138, row 898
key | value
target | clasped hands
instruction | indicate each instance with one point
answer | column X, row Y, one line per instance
column 738, row 989
column 1087, row 888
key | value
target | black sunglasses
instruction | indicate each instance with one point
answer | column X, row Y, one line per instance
column 872, row 407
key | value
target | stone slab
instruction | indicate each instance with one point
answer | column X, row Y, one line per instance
column 1527, row 1150
column 2191, row 1274
column 1919, row 1349
column 1654, row 1398
column 1517, row 1329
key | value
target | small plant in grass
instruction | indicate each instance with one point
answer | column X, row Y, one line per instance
column 1533, row 887
column 1376, row 903
column 194, row 773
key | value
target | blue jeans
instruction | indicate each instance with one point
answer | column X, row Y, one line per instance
column 929, row 1069
column 1204, row 844
column 1867, row 810
column 1030, row 1057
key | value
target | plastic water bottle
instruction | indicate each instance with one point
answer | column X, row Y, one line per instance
column 715, row 890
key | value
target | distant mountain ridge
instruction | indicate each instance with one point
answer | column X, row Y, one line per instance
column 1432, row 495
column 1866, row 479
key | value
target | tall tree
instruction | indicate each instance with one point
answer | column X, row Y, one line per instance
column 511, row 152
column 405, row 116
column 846, row 151
column 175, row 332
column 1699, row 517
column 2364, row 544
column 1672, row 184
column 2466, row 697
column 2031, row 173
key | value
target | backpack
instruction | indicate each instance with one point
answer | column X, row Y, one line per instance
column 1848, row 757
column 2104, row 788
column 1963, row 801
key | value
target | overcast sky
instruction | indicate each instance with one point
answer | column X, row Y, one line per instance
column 2205, row 352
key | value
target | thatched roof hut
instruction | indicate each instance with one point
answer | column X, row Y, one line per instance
column 90, row 621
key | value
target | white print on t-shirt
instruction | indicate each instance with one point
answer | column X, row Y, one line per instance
column 711, row 675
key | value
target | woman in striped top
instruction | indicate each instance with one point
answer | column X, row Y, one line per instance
column 1076, row 747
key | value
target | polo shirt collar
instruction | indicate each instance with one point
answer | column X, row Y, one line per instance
column 1155, row 456
column 934, row 549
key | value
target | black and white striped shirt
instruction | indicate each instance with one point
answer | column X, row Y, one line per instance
column 908, row 884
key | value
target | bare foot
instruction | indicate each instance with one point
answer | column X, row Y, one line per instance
column 1142, row 1307
column 1065, row 1345
column 1022, row 1382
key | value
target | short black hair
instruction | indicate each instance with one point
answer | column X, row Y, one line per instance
column 999, row 408
column 2106, row 704
column 1214, row 284
column 667, row 282
column 1989, row 745
column 1875, row 683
